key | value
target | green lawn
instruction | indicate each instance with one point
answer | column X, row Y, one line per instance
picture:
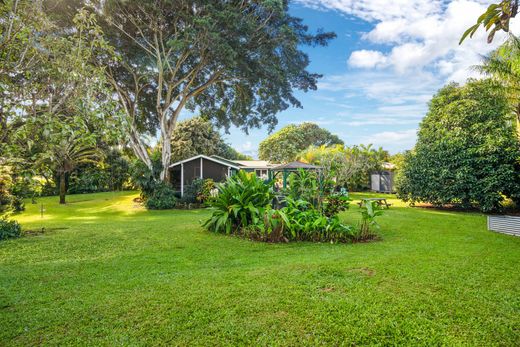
column 107, row 272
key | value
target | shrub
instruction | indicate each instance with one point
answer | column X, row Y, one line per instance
column 243, row 207
column 205, row 192
column 370, row 210
column 241, row 202
column 335, row 204
column 162, row 198
column 466, row 152
column 9, row 229
column 305, row 223
column 192, row 191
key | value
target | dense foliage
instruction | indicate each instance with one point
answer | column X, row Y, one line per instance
column 237, row 62
column 162, row 197
column 9, row 229
column 285, row 144
column 346, row 166
column 466, row 153
column 244, row 206
column 198, row 136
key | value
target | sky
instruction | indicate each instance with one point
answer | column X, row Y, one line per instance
column 388, row 60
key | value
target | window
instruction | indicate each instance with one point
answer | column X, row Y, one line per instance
column 262, row 173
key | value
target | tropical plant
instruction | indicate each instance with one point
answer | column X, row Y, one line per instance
column 305, row 185
column 242, row 201
column 503, row 65
column 305, row 223
column 64, row 154
column 346, row 166
column 370, row 210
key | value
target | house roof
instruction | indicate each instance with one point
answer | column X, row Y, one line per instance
column 296, row 165
column 388, row 166
column 255, row 164
column 224, row 162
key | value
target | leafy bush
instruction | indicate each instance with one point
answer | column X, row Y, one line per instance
column 243, row 207
column 18, row 204
column 241, row 202
column 6, row 197
column 370, row 210
column 162, row 198
column 305, row 223
column 466, row 152
column 304, row 185
column 192, row 191
column 335, row 203
column 9, row 229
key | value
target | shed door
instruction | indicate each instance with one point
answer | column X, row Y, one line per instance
column 374, row 178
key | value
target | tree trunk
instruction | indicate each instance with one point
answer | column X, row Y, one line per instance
column 165, row 159
column 63, row 188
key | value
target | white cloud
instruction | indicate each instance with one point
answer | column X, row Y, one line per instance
column 367, row 59
column 392, row 140
column 418, row 34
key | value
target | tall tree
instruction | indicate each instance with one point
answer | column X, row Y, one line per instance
column 288, row 142
column 466, row 152
column 236, row 62
column 198, row 136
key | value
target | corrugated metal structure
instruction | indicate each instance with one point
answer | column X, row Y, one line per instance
column 382, row 182
column 504, row 224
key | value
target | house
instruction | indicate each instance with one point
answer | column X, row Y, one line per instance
column 183, row 172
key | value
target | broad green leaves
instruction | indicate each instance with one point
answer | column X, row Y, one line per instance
column 496, row 18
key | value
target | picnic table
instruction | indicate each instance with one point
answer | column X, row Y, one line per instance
column 379, row 201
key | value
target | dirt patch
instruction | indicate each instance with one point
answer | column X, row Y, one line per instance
column 36, row 232
column 364, row 270
column 327, row 289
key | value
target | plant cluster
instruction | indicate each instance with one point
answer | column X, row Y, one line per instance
column 9, row 229
column 162, row 198
column 244, row 206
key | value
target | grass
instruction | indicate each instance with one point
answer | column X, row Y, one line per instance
column 107, row 272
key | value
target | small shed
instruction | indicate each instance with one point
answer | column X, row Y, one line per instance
column 183, row 172
column 383, row 181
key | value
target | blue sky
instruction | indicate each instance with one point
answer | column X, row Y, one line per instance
column 387, row 61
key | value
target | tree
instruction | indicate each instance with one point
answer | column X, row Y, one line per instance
column 466, row 153
column 496, row 18
column 288, row 142
column 65, row 153
column 347, row 166
column 503, row 65
column 60, row 101
column 198, row 136
column 236, row 62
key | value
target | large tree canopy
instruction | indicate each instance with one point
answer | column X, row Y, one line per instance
column 235, row 62
column 288, row 142
column 466, row 153
column 198, row 136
